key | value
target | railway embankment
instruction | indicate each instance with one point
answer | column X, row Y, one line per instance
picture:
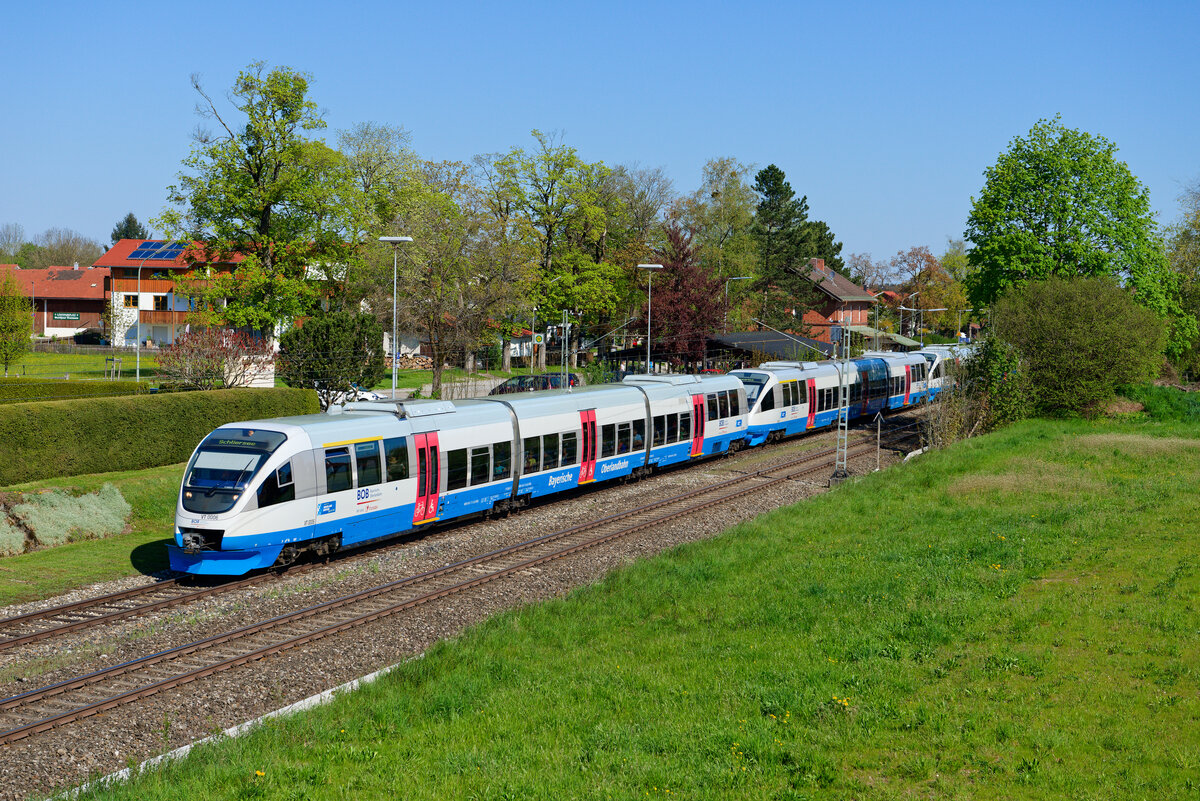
column 1013, row 616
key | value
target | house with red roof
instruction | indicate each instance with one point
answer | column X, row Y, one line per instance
column 142, row 288
column 66, row 300
column 842, row 303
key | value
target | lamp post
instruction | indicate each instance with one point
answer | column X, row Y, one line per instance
column 650, row 268
column 395, row 242
column 137, row 346
column 727, row 280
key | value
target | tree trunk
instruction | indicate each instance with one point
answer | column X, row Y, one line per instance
column 506, row 354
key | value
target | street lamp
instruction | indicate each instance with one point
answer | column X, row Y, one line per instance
column 727, row 280
column 137, row 346
column 395, row 242
column 650, row 274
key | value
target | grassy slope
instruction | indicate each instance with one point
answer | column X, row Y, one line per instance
column 1014, row 618
column 151, row 493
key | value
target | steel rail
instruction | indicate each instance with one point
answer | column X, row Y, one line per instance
column 62, row 718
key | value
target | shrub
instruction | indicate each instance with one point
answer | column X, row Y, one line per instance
column 24, row 390
column 12, row 539
column 95, row 435
column 55, row 517
column 1081, row 338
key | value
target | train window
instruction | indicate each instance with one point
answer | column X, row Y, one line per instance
column 608, row 440
column 685, row 426
column 789, row 399
column 660, row 431
column 278, row 487
column 723, row 404
column 549, row 451
column 570, row 447
column 456, row 469
column 735, row 407
column 639, row 435
column 768, row 400
column 502, row 463
column 533, row 454
column 396, row 452
column 672, row 428
column 623, row 438
column 481, row 466
column 713, row 407
column 367, row 456
column 337, row 470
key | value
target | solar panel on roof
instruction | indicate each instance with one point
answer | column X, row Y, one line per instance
column 157, row 250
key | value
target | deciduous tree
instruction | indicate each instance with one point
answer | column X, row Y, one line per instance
column 1059, row 203
column 16, row 321
column 688, row 303
column 216, row 358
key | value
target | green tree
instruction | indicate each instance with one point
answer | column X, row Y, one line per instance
column 128, row 227
column 1183, row 251
column 331, row 351
column 16, row 321
column 1081, row 338
column 261, row 188
column 783, row 253
column 1059, row 203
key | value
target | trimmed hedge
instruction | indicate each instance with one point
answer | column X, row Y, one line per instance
column 99, row 435
column 26, row 390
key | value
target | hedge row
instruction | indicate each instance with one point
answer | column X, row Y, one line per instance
column 25, row 390
column 98, row 435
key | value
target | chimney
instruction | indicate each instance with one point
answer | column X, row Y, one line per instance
column 818, row 265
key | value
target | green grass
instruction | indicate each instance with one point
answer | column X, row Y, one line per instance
column 415, row 379
column 83, row 365
column 1013, row 618
column 152, row 493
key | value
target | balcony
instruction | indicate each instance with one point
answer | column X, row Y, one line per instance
column 156, row 285
column 164, row 317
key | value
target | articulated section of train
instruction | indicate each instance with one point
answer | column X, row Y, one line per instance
column 265, row 492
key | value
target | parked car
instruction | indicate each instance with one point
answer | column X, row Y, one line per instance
column 529, row 383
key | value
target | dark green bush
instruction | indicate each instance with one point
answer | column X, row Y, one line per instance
column 25, row 390
column 97, row 435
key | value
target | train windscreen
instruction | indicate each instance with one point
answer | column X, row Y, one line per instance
column 754, row 383
column 223, row 467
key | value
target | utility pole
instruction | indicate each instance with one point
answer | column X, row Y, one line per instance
column 841, row 471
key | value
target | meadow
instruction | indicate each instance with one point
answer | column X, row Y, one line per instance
column 1014, row 617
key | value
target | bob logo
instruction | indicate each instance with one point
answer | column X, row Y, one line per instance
column 327, row 508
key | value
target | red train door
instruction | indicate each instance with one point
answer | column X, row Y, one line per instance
column 697, row 425
column 907, row 382
column 812, row 402
column 587, row 454
column 427, row 477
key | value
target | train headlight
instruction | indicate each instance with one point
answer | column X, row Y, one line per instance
column 187, row 495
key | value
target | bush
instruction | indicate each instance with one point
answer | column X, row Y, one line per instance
column 1080, row 338
column 24, row 390
column 12, row 539
column 96, row 435
column 55, row 517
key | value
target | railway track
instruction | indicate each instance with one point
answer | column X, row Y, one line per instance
column 105, row 609
column 59, row 704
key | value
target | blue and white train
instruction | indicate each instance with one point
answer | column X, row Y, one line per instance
column 262, row 493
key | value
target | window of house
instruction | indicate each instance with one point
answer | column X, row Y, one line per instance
column 160, row 302
column 396, row 454
column 456, row 469
column 131, row 301
column 367, row 456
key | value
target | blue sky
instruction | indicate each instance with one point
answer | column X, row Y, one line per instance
column 884, row 114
